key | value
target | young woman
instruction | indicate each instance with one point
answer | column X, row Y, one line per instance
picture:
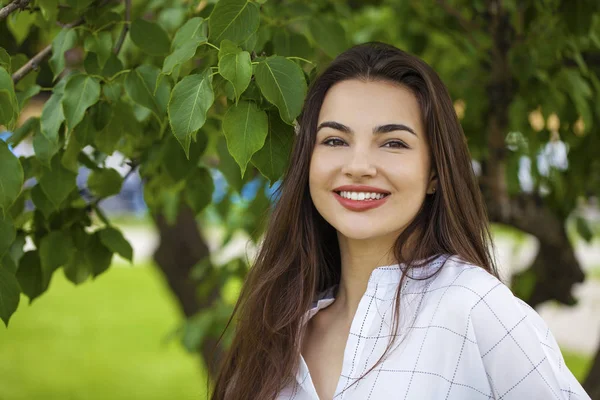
column 375, row 278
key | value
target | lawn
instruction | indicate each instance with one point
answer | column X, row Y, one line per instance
column 102, row 340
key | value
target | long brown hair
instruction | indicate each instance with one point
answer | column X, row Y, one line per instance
column 300, row 255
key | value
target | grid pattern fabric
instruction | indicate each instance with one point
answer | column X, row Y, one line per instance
column 463, row 335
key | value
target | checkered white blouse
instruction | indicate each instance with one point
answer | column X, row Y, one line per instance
column 463, row 336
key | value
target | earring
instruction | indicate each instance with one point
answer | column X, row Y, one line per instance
column 433, row 191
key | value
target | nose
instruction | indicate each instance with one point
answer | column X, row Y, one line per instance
column 359, row 165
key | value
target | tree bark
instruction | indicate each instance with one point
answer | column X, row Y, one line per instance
column 181, row 248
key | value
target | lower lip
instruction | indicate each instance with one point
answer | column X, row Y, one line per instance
column 360, row 205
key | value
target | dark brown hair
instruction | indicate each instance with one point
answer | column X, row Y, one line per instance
column 300, row 256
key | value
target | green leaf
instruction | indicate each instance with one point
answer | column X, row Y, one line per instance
column 190, row 100
column 52, row 114
column 114, row 240
column 24, row 96
column 9, row 294
column 105, row 182
column 16, row 251
column 4, row 59
column 234, row 20
column 11, row 177
column 9, row 106
column 101, row 44
column 23, row 131
column 64, row 41
column 199, row 189
column 69, row 158
column 41, row 202
column 19, row 24
column 174, row 161
column 77, row 269
column 140, row 85
column 29, row 275
column 194, row 30
column 186, row 42
column 150, row 37
column 81, row 92
column 583, row 228
column 245, row 127
column 7, row 233
column 113, row 66
column 229, row 167
column 235, row 65
column 98, row 256
column 282, row 82
column 179, row 56
column 57, row 182
column 289, row 44
column 30, row 79
column 55, row 249
column 329, row 35
column 112, row 91
column 49, row 9
column 273, row 158
column 8, row 264
column 45, row 149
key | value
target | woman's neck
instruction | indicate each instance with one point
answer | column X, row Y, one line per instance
column 358, row 259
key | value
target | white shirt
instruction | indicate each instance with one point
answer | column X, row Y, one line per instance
column 463, row 335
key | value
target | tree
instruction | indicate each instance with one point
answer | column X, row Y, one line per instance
column 181, row 88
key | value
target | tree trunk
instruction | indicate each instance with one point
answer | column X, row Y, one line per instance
column 181, row 248
column 592, row 382
column 556, row 268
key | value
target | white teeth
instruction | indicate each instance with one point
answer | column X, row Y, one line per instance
column 361, row 196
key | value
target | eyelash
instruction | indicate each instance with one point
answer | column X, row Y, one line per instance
column 402, row 144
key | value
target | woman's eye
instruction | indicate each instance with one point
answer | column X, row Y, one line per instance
column 395, row 144
column 334, row 142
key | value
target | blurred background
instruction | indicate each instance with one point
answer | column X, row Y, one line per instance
column 525, row 79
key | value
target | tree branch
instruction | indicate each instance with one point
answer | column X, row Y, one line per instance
column 125, row 28
column 35, row 61
column 16, row 4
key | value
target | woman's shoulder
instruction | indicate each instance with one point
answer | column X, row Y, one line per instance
column 457, row 286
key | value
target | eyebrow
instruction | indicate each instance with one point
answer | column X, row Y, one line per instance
column 378, row 129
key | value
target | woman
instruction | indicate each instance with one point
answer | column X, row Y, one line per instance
column 375, row 278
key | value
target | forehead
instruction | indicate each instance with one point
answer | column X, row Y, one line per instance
column 362, row 105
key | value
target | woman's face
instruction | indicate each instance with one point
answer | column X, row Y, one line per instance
column 370, row 168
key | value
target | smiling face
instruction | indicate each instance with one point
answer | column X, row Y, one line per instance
column 370, row 139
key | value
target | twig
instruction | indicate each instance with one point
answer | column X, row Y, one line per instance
column 35, row 61
column 10, row 7
column 125, row 27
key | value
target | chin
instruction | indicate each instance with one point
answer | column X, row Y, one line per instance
column 360, row 234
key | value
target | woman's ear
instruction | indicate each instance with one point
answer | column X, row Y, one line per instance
column 433, row 182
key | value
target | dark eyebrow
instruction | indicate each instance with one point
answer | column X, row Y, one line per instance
column 378, row 129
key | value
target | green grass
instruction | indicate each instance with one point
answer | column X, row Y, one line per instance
column 594, row 273
column 105, row 339
column 579, row 364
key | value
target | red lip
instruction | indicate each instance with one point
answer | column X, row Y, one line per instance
column 360, row 188
column 359, row 205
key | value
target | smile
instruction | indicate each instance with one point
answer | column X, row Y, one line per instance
column 360, row 201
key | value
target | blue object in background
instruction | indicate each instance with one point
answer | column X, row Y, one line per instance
column 4, row 135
